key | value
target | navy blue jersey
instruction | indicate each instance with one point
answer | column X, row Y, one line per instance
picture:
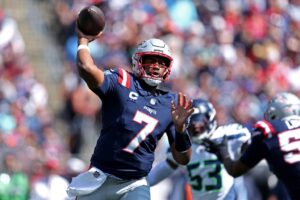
column 133, row 121
column 281, row 151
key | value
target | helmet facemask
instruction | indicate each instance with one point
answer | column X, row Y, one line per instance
column 202, row 122
column 158, row 71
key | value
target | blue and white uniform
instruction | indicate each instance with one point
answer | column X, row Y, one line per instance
column 133, row 122
column 279, row 144
column 236, row 134
column 207, row 176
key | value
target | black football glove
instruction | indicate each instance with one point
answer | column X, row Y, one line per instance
column 211, row 147
column 218, row 149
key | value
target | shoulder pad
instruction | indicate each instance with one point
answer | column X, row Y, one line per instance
column 233, row 126
column 232, row 131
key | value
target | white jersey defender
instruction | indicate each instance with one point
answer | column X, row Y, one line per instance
column 205, row 173
column 237, row 136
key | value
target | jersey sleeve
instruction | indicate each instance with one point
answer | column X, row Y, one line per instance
column 170, row 130
column 171, row 133
column 113, row 78
column 255, row 152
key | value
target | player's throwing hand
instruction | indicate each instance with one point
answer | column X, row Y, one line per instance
column 88, row 37
column 181, row 112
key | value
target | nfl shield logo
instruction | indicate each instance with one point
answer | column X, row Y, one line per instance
column 153, row 101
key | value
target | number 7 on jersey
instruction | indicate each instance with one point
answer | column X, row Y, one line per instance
column 151, row 123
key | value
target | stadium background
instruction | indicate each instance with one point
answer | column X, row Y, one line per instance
column 236, row 53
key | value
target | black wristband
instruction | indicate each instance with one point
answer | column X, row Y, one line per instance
column 182, row 141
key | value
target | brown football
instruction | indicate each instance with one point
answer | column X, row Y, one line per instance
column 91, row 21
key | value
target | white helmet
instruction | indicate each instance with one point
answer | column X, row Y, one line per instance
column 152, row 47
column 282, row 105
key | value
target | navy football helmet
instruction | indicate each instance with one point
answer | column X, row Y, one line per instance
column 282, row 105
column 202, row 122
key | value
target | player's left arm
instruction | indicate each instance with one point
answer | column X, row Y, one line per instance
column 234, row 168
column 181, row 148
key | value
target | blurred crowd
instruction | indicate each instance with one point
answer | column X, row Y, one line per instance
column 235, row 53
column 35, row 161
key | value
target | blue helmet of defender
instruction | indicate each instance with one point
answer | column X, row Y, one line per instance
column 202, row 122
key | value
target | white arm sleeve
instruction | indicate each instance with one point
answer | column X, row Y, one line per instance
column 161, row 171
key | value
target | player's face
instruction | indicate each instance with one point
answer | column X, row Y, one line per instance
column 155, row 66
column 197, row 128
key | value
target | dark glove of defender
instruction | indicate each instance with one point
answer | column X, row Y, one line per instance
column 218, row 149
column 212, row 147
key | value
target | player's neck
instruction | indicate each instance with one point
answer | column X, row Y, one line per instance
column 152, row 89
